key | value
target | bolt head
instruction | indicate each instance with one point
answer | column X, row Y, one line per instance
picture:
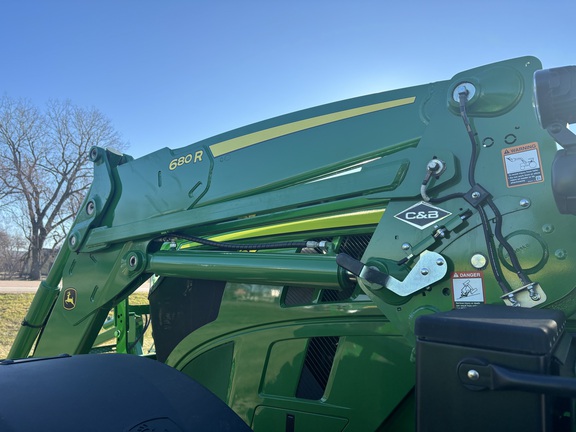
column 548, row 228
column 473, row 375
column 424, row 271
column 560, row 254
column 478, row 261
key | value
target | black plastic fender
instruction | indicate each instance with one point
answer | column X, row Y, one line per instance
column 107, row 392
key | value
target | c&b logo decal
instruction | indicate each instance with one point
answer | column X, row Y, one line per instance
column 422, row 215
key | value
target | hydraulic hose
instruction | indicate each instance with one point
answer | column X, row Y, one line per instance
column 492, row 256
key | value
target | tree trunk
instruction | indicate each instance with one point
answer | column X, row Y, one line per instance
column 34, row 264
column 45, row 170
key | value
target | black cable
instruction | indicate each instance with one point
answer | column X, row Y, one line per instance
column 463, row 97
column 511, row 253
column 492, row 257
column 446, row 198
column 139, row 338
column 494, row 263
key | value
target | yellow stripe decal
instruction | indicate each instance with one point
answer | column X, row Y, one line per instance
column 243, row 141
column 364, row 217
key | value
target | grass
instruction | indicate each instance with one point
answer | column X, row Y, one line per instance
column 13, row 308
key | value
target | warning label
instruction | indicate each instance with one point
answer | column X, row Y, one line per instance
column 468, row 289
column 522, row 165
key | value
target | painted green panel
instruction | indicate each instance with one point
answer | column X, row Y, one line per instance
column 276, row 420
column 283, row 367
column 212, row 369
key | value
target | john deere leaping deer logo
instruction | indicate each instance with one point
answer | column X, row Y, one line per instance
column 70, row 298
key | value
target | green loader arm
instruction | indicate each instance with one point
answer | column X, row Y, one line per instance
column 348, row 220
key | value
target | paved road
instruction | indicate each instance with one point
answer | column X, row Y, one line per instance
column 17, row 287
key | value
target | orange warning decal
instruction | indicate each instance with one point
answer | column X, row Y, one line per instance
column 522, row 165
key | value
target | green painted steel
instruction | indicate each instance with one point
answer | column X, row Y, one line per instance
column 296, row 342
column 277, row 268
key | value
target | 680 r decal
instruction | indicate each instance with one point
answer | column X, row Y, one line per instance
column 184, row 160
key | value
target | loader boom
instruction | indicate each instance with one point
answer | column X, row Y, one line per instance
column 292, row 258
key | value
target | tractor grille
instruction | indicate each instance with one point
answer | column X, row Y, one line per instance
column 317, row 366
column 298, row 296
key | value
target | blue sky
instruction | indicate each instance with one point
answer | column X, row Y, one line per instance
column 172, row 72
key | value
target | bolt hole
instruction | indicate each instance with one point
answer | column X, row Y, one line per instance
column 90, row 208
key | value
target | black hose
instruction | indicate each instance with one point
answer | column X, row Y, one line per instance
column 494, row 263
column 139, row 338
column 511, row 253
column 446, row 198
column 463, row 97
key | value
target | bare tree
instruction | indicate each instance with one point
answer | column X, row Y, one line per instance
column 44, row 167
column 11, row 255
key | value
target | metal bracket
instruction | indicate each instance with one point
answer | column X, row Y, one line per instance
column 430, row 268
column 527, row 296
column 476, row 195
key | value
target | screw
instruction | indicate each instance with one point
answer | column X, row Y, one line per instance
column 512, row 299
column 473, row 375
column 406, row 246
column 548, row 228
column 73, row 240
column 439, row 262
column 560, row 254
column 524, row 202
column 133, row 261
column 440, row 232
column 475, row 195
column 424, row 271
